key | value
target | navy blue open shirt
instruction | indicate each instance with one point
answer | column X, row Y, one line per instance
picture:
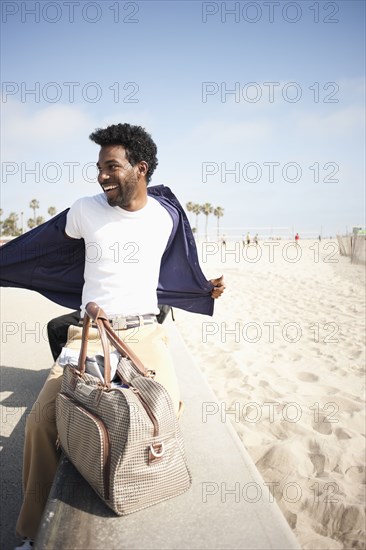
column 46, row 261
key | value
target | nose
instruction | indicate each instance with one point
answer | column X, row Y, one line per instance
column 102, row 176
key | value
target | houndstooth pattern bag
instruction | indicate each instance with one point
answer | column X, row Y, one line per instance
column 125, row 441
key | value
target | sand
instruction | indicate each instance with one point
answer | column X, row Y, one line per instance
column 289, row 376
column 285, row 354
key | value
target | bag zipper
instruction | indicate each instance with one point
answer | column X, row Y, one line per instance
column 156, row 450
column 150, row 373
column 106, row 444
column 148, row 410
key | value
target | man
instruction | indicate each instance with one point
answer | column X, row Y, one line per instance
column 134, row 243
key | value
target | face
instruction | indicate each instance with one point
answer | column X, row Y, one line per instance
column 119, row 180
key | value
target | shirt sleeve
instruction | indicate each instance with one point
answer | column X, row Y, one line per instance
column 72, row 228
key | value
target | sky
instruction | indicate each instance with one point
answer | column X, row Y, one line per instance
column 257, row 107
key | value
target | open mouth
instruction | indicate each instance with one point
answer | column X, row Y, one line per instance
column 108, row 188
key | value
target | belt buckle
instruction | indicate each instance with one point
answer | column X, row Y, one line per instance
column 119, row 323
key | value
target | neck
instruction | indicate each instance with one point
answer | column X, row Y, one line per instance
column 136, row 204
column 139, row 200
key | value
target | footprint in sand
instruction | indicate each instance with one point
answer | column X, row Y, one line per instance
column 341, row 434
column 323, row 426
column 307, row 377
column 356, row 474
column 318, row 461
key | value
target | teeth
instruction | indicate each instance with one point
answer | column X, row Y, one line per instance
column 109, row 187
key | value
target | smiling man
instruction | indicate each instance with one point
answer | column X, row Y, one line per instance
column 120, row 180
column 125, row 230
column 137, row 244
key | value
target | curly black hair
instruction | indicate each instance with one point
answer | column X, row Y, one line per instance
column 136, row 141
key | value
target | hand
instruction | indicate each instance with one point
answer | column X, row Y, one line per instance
column 219, row 287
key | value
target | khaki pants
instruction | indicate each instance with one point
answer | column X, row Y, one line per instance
column 40, row 455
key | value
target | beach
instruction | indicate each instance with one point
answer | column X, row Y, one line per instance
column 285, row 355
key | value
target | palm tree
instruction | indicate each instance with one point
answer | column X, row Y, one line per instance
column 189, row 207
column 34, row 205
column 10, row 225
column 218, row 212
column 196, row 210
column 207, row 210
column 39, row 220
column 52, row 211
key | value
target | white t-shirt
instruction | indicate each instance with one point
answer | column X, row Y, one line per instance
column 123, row 252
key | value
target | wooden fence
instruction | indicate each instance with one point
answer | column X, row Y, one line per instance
column 353, row 246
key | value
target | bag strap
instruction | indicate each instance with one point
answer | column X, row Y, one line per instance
column 94, row 312
column 125, row 350
column 105, row 345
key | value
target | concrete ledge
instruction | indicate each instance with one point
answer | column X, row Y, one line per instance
column 213, row 514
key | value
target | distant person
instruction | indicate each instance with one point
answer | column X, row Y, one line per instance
column 223, row 241
column 248, row 238
column 297, row 237
column 320, row 238
column 256, row 239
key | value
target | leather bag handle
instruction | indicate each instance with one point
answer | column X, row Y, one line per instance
column 125, row 350
column 105, row 345
column 94, row 312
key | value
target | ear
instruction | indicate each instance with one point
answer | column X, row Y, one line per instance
column 142, row 167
